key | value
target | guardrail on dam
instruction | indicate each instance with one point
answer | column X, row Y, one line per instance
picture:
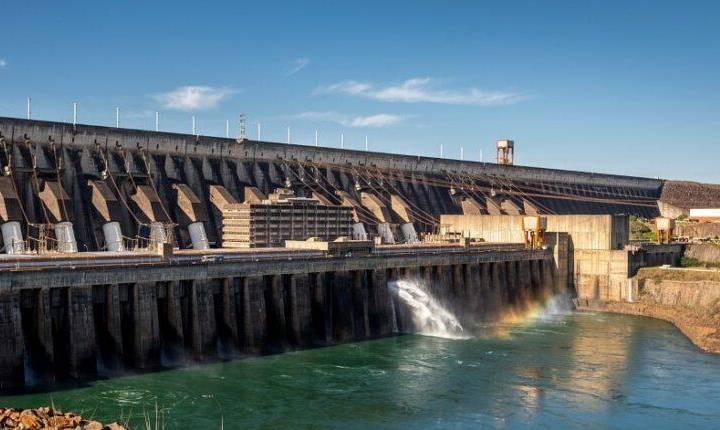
column 90, row 175
column 72, row 320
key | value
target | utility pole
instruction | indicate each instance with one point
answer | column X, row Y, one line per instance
column 342, row 140
column 157, row 121
column 258, row 126
column 29, row 108
column 194, row 126
column 117, row 117
column 74, row 114
column 366, row 143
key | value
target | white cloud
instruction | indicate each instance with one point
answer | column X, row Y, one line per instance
column 193, row 97
column 420, row 90
column 298, row 65
column 373, row 121
column 3, row 63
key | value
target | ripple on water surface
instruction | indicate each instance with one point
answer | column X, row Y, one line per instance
column 570, row 371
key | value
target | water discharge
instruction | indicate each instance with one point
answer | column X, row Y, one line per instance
column 430, row 318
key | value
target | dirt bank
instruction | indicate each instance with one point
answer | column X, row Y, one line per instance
column 704, row 332
column 688, row 298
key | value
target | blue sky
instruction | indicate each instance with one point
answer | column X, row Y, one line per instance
column 624, row 87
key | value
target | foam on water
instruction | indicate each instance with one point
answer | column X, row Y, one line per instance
column 429, row 316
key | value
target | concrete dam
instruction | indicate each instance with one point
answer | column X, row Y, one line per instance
column 127, row 249
column 88, row 175
column 78, row 323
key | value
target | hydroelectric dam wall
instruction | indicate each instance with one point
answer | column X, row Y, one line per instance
column 77, row 317
column 89, row 175
column 97, row 311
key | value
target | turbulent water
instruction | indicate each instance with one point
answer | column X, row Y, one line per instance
column 429, row 316
column 555, row 370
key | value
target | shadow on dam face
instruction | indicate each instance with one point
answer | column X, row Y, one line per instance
column 66, row 335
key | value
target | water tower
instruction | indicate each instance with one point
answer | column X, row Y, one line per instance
column 505, row 149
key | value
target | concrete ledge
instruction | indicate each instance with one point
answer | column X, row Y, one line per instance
column 188, row 145
column 68, row 277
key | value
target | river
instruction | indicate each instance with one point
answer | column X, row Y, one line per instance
column 573, row 370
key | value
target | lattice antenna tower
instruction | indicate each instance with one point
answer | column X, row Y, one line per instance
column 243, row 121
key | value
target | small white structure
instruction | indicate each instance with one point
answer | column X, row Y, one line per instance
column 409, row 233
column 158, row 235
column 12, row 238
column 197, row 236
column 358, row 231
column 705, row 214
column 505, row 152
column 65, row 237
column 385, row 232
column 113, row 237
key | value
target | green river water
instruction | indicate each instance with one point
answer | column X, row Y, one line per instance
column 588, row 371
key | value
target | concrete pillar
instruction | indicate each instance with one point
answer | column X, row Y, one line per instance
column 536, row 279
column 204, row 330
column 113, row 319
column 12, row 345
column 458, row 296
column 253, row 315
column 497, row 281
column 524, row 280
column 321, row 309
column 426, row 274
column 359, row 299
column 444, row 288
column 146, row 327
column 229, row 302
column 276, row 320
column 82, row 345
column 44, row 328
column 489, row 301
column 512, row 283
column 465, row 304
column 563, row 260
column 173, row 337
column 381, row 314
column 300, row 318
column 551, row 279
column 343, row 317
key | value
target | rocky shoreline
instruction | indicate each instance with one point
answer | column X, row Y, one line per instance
column 48, row 418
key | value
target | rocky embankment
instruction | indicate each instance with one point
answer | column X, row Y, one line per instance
column 688, row 298
column 47, row 418
column 686, row 194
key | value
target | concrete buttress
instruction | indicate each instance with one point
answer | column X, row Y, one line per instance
column 12, row 345
column 146, row 327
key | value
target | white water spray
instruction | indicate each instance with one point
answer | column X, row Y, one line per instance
column 429, row 316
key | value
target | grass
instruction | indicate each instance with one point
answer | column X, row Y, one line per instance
column 642, row 230
column 694, row 262
column 678, row 274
